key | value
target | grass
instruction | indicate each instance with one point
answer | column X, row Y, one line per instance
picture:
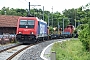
column 70, row 50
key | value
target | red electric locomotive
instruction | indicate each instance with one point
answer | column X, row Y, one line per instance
column 30, row 29
column 69, row 31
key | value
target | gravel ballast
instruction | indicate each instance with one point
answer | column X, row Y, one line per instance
column 35, row 52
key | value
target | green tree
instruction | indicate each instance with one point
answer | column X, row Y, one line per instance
column 84, row 34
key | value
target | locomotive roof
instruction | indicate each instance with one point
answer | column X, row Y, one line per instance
column 36, row 18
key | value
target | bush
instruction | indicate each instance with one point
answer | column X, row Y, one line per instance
column 84, row 36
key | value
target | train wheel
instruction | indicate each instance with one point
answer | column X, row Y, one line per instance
column 43, row 39
column 63, row 37
column 46, row 38
column 34, row 40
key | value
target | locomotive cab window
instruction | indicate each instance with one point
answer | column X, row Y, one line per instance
column 27, row 24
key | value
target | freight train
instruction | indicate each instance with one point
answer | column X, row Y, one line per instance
column 31, row 29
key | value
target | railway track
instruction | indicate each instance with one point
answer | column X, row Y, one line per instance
column 9, row 53
column 9, row 48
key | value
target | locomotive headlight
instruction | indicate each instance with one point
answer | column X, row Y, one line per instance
column 20, row 32
column 32, row 33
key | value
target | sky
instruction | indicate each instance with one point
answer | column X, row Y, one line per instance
column 58, row 5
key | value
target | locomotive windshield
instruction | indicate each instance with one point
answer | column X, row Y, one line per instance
column 26, row 23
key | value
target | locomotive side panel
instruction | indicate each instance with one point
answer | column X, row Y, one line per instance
column 42, row 29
